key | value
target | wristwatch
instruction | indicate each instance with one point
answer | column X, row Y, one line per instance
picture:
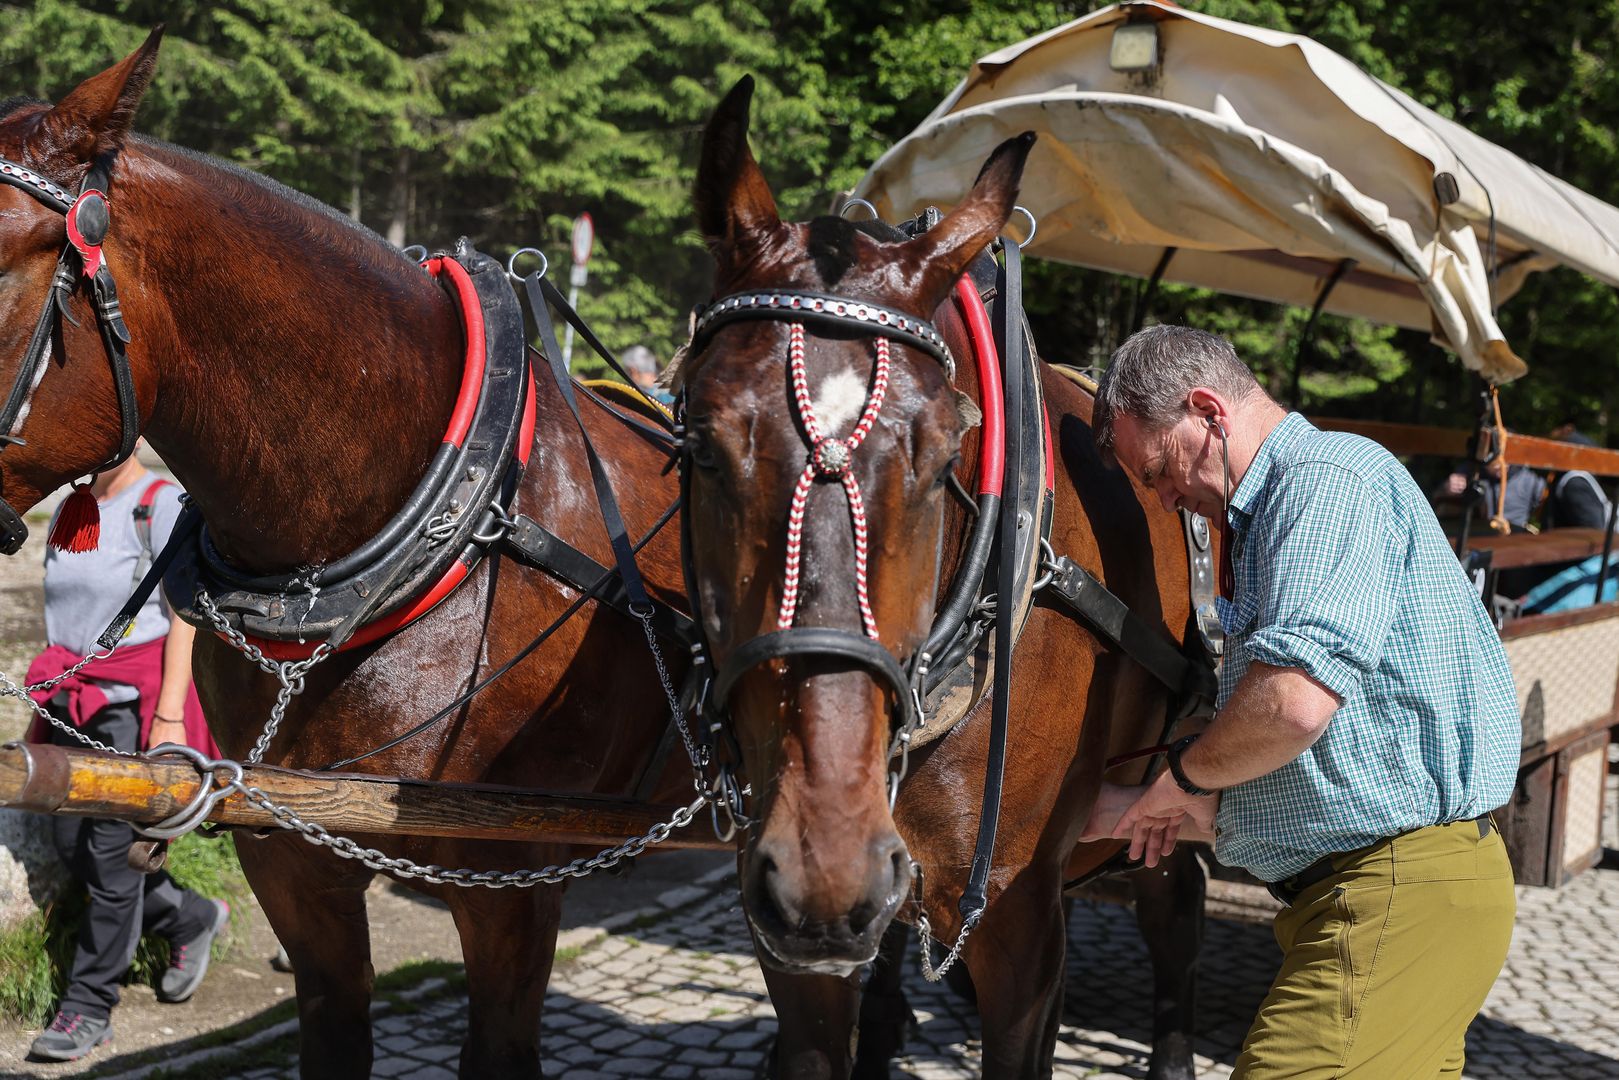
column 1178, row 773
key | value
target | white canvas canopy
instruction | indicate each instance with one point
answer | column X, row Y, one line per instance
column 1265, row 160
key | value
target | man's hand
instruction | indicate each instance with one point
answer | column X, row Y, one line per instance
column 1155, row 820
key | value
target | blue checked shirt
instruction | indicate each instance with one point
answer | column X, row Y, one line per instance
column 1342, row 571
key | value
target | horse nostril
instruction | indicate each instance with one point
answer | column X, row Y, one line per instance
column 901, row 863
column 769, row 898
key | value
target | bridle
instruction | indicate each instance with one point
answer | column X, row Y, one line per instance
column 829, row 459
column 88, row 217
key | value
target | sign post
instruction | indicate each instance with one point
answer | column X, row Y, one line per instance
column 584, row 237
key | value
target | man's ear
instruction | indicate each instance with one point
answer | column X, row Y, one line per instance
column 94, row 119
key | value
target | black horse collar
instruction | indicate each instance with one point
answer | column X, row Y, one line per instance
column 431, row 544
column 88, row 218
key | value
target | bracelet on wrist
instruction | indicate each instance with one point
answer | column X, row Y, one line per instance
column 1179, row 773
column 159, row 718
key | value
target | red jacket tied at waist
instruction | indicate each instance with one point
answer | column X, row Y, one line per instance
column 140, row 666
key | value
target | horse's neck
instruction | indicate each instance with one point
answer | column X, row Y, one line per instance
column 304, row 373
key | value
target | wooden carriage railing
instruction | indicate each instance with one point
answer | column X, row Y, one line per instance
column 1549, row 455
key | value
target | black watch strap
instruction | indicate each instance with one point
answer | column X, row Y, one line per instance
column 1178, row 773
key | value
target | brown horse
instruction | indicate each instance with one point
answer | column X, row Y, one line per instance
column 298, row 374
column 826, row 866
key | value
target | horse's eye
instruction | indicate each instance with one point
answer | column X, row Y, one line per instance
column 699, row 450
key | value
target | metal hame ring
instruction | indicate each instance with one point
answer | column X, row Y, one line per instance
column 511, row 263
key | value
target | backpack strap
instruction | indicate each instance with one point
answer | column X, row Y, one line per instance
column 143, row 526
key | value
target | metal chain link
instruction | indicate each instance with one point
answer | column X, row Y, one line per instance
column 291, row 676
column 318, row 834
column 52, row 683
column 924, row 931
column 698, row 756
column 21, row 693
column 289, row 673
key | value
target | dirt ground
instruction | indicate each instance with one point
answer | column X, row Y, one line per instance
column 242, row 988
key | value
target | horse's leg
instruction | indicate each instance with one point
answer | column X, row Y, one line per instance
column 315, row 902
column 885, row 1014
column 508, row 941
column 815, row 1024
column 1169, row 911
column 1016, row 959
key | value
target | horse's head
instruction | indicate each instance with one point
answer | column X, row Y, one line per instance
column 60, row 416
column 820, row 436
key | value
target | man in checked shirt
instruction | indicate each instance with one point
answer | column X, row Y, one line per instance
column 1367, row 721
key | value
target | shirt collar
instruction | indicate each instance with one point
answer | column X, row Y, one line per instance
column 1281, row 439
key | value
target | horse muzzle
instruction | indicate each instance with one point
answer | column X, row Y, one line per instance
column 788, row 916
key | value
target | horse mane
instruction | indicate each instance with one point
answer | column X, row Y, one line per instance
column 16, row 101
column 369, row 239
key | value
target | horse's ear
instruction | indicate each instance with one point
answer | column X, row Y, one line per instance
column 947, row 248
column 733, row 201
column 95, row 118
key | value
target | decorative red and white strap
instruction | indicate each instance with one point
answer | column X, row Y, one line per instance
column 832, row 458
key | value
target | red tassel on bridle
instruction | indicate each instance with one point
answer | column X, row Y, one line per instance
column 78, row 526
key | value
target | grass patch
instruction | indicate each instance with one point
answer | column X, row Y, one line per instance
column 37, row 953
column 392, row 985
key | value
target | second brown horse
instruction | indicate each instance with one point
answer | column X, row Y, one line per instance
column 826, row 865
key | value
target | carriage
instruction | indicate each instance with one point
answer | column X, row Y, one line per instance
column 1180, row 147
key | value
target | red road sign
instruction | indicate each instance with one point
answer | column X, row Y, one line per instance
column 584, row 235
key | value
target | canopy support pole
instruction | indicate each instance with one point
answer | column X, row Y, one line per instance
column 1327, row 286
column 1144, row 298
column 1475, row 462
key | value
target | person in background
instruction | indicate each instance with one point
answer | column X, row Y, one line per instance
column 1526, row 489
column 136, row 698
column 642, row 366
column 1577, row 500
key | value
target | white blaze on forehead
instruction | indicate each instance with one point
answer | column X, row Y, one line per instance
column 839, row 402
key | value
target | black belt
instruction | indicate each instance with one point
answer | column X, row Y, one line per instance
column 1288, row 889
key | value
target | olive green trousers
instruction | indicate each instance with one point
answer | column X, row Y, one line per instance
column 1386, row 961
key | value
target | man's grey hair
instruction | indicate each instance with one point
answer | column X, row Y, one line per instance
column 1153, row 371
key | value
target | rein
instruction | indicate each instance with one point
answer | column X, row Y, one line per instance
column 87, row 219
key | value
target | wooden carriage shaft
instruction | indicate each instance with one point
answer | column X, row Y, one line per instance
column 59, row 780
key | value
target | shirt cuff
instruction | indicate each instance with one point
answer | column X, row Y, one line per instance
column 1288, row 649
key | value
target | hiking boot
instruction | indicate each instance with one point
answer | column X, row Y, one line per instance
column 188, row 960
column 71, row 1035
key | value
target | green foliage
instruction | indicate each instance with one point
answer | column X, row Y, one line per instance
column 503, row 119
column 37, row 953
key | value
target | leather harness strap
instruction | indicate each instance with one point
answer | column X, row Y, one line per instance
column 532, row 543
column 1113, row 621
column 87, row 220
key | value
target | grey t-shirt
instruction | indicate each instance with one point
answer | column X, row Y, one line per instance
column 84, row 590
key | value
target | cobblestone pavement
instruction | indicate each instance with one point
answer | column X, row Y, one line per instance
column 675, row 992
